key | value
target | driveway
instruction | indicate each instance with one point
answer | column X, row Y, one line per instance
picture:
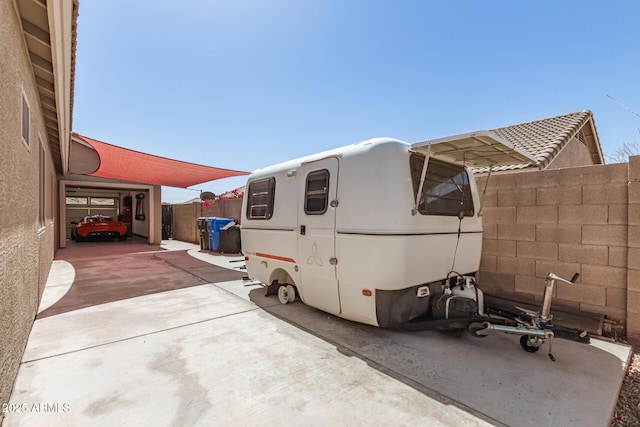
column 177, row 337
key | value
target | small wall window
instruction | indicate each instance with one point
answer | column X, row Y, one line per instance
column 261, row 196
column 316, row 192
column 25, row 120
column 103, row 201
column 446, row 189
column 77, row 201
column 42, row 185
column 52, row 191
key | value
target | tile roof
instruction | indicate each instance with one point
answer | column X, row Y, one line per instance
column 543, row 138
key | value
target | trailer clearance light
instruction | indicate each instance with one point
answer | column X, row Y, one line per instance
column 366, row 292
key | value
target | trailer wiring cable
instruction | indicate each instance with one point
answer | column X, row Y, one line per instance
column 461, row 213
column 447, row 285
column 437, row 304
column 451, row 274
column 455, row 251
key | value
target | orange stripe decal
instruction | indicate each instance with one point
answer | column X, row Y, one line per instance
column 276, row 257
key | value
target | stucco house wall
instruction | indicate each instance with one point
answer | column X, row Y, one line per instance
column 575, row 153
column 27, row 215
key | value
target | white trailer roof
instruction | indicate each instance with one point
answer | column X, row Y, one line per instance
column 476, row 149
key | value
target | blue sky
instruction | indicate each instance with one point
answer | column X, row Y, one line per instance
column 243, row 84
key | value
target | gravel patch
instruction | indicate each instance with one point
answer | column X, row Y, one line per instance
column 627, row 412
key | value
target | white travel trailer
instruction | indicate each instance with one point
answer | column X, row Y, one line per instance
column 370, row 232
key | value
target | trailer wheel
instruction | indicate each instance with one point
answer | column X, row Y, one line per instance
column 291, row 293
column 286, row 294
column 524, row 343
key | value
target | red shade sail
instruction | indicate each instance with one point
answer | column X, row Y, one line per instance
column 128, row 165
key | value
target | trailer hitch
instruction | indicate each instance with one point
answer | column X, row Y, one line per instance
column 534, row 327
column 531, row 339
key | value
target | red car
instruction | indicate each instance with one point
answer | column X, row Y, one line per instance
column 98, row 226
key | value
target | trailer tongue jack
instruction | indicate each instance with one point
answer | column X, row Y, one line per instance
column 534, row 326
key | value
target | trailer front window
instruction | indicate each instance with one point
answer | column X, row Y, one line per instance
column 260, row 201
column 446, row 189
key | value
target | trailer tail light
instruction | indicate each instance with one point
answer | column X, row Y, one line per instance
column 366, row 292
column 246, row 258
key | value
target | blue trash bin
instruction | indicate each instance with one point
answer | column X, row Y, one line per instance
column 214, row 225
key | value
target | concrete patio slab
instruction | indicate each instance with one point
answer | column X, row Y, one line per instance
column 222, row 362
column 224, row 354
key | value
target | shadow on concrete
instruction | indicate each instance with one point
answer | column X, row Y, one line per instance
column 491, row 378
column 113, row 271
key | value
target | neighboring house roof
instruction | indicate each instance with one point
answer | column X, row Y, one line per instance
column 545, row 138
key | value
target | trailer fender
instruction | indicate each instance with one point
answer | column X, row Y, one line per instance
column 280, row 277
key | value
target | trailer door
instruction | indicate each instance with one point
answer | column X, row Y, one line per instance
column 316, row 235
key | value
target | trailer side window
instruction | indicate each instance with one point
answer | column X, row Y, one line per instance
column 446, row 189
column 316, row 193
column 260, row 201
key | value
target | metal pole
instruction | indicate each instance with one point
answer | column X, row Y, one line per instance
column 546, row 302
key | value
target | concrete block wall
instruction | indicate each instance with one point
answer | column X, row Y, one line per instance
column 184, row 218
column 583, row 219
column 633, row 255
column 185, row 215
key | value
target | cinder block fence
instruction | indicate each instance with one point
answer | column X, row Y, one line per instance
column 185, row 215
column 583, row 219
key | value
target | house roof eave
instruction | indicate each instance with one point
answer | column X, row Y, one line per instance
column 50, row 33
